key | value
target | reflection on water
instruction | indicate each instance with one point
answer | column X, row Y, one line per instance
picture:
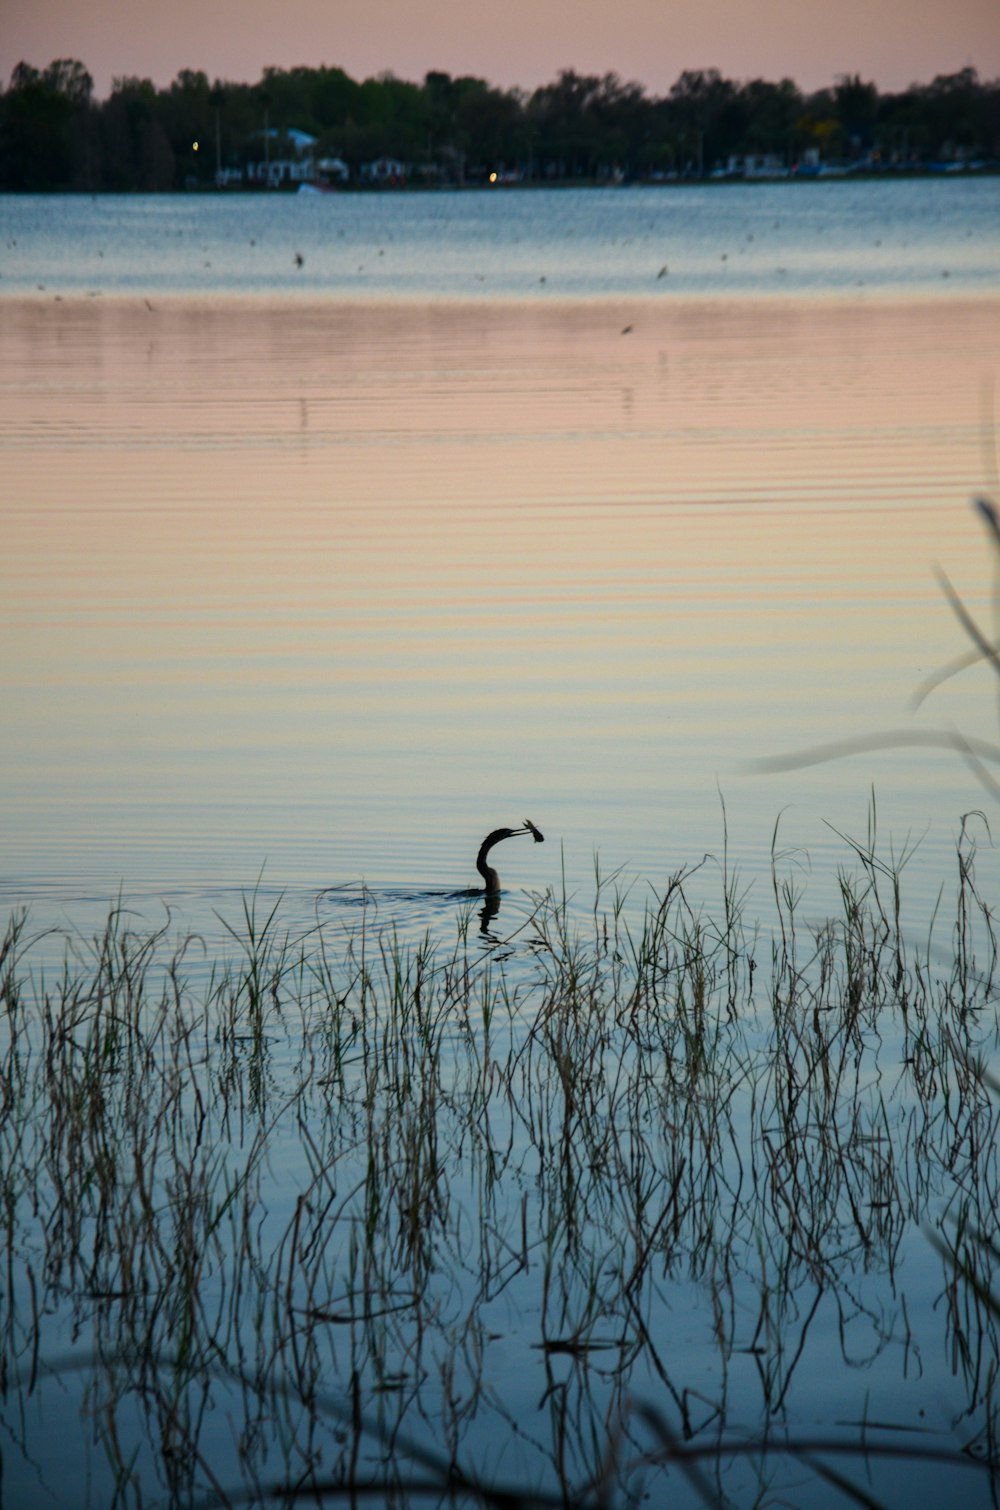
column 336, row 590
column 754, row 241
column 631, row 1210
column 321, row 1168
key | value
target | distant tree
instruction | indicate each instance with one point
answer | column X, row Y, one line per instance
column 489, row 125
column 46, row 128
column 901, row 133
column 952, row 107
column 989, row 96
column 23, row 76
column 566, row 125
column 701, row 104
column 580, row 126
column 334, row 98
column 855, row 106
column 819, row 127
column 136, row 152
column 188, row 120
column 621, row 113
column 770, row 113
column 69, row 78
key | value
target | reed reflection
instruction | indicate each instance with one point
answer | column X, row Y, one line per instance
column 617, row 1206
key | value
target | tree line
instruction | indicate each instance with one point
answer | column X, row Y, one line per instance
column 54, row 134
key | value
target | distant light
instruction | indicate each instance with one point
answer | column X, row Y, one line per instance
column 493, row 178
column 194, row 146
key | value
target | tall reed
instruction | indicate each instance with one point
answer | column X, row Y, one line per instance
column 608, row 1212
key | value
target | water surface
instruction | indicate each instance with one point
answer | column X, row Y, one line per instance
column 335, row 589
column 320, row 573
column 913, row 238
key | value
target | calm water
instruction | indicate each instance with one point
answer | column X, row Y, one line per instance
column 333, row 584
column 740, row 241
column 325, row 571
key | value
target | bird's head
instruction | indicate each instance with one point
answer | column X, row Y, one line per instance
column 490, row 875
column 512, row 833
column 497, row 835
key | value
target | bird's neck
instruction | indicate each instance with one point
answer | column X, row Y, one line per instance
column 487, row 872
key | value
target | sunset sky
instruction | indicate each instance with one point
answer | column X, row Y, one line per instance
column 522, row 42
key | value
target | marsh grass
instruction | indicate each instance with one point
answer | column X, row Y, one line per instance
column 641, row 1203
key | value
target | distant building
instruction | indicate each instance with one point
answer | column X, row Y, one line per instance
column 754, row 165
column 297, row 165
column 332, row 170
column 385, row 172
column 300, row 141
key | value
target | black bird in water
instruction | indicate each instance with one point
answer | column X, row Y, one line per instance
column 487, row 872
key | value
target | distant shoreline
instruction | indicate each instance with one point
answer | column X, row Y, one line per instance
column 711, row 181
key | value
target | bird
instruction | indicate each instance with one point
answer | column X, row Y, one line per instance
column 487, row 872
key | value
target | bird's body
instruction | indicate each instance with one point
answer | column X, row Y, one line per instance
column 487, row 872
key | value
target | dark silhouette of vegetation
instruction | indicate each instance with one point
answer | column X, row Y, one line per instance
column 55, row 136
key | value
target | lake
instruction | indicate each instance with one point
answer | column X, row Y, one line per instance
column 330, row 577
column 341, row 530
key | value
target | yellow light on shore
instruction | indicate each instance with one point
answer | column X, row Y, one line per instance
column 493, row 178
column 194, row 146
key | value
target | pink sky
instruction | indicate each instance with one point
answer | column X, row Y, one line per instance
column 522, row 42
